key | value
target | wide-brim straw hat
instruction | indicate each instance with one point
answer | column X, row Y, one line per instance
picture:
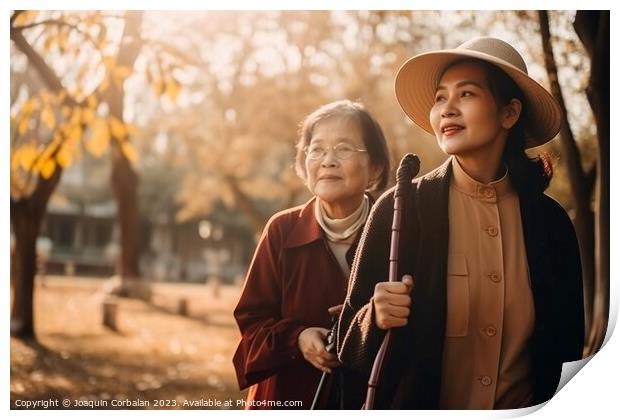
column 417, row 80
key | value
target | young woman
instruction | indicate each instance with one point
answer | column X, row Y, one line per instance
column 298, row 277
column 491, row 301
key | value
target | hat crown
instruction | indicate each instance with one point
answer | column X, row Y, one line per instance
column 496, row 48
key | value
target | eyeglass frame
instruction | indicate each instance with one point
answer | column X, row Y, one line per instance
column 327, row 149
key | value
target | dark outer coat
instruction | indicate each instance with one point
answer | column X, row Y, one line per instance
column 412, row 376
column 292, row 281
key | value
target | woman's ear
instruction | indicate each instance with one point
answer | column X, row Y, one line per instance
column 511, row 113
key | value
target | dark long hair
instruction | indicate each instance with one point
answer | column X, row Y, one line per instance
column 527, row 175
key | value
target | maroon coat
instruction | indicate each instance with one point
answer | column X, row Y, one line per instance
column 292, row 281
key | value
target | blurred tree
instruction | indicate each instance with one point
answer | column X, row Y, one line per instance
column 369, row 48
column 43, row 141
column 583, row 181
column 264, row 71
column 124, row 177
column 237, row 139
column 82, row 60
column 592, row 27
column 582, row 184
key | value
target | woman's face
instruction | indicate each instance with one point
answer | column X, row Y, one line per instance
column 465, row 117
column 338, row 183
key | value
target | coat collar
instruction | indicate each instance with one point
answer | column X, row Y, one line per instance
column 306, row 229
column 490, row 193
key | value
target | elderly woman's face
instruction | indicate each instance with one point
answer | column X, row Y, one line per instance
column 338, row 172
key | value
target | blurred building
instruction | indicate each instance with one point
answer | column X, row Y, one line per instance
column 80, row 238
column 84, row 240
column 80, row 235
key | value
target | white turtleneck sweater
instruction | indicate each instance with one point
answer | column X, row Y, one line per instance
column 340, row 233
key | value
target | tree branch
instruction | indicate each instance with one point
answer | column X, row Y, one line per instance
column 572, row 154
column 45, row 71
column 53, row 82
column 58, row 22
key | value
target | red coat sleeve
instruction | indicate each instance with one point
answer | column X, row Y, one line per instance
column 268, row 341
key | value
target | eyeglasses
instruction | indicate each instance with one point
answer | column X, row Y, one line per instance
column 342, row 151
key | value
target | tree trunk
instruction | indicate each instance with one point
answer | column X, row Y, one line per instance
column 26, row 217
column 592, row 27
column 125, row 184
column 27, row 214
column 23, row 271
column 124, row 178
column 581, row 192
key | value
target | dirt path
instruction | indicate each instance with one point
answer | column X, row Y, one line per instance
column 157, row 356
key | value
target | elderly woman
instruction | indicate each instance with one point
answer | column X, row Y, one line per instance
column 298, row 277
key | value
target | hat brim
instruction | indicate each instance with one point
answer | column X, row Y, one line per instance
column 418, row 78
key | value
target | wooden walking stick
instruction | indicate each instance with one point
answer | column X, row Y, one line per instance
column 408, row 168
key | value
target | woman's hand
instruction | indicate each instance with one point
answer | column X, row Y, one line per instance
column 312, row 342
column 392, row 303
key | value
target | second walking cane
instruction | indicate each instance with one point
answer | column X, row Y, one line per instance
column 408, row 168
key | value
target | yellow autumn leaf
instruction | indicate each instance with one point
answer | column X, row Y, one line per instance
column 121, row 72
column 62, row 95
column 88, row 115
column 129, row 151
column 63, row 35
column 131, row 129
column 47, row 168
column 159, row 87
column 15, row 159
column 91, row 101
column 50, row 41
column 27, row 156
column 76, row 115
column 47, row 96
column 109, row 61
column 172, row 89
column 25, row 17
column 117, row 128
column 66, row 111
column 100, row 139
column 48, row 117
column 74, row 133
column 30, row 105
column 64, row 157
column 22, row 127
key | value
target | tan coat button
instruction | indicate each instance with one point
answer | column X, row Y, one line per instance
column 490, row 331
column 492, row 231
column 495, row 278
column 486, row 380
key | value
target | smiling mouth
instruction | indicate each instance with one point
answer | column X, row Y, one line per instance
column 329, row 178
column 452, row 129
